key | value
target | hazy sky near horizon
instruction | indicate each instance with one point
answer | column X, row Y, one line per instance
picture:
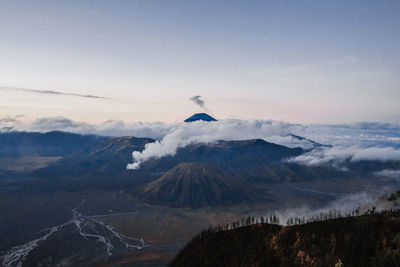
column 298, row 61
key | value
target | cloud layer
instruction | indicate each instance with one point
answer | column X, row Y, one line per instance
column 155, row 130
column 363, row 134
column 207, row 132
column 389, row 173
column 345, row 204
column 373, row 141
column 336, row 156
column 350, row 142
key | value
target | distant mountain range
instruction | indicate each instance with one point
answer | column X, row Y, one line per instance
column 56, row 143
column 197, row 175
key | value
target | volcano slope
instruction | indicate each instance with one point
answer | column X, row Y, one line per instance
column 368, row 240
column 197, row 184
column 255, row 160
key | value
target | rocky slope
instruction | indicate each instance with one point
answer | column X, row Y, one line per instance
column 196, row 185
column 255, row 160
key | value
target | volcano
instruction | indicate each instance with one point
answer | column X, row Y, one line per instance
column 197, row 185
column 200, row 117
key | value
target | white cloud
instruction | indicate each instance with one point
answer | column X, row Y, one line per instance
column 207, row 132
column 109, row 128
column 336, row 156
column 388, row 173
column 363, row 134
column 351, row 142
column 345, row 204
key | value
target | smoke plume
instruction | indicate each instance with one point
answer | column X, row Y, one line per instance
column 198, row 101
column 204, row 132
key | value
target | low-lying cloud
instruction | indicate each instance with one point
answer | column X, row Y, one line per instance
column 353, row 142
column 275, row 132
column 363, row 134
column 345, row 205
column 11, row 119
column 116, row 128
column 336, row 156
column 389, row 173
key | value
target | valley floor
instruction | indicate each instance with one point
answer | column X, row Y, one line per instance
column 25, row 217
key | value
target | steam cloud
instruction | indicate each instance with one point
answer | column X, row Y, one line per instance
column 205, row 132
column 271, row 131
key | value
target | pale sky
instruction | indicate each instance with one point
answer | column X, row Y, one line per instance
column 298, row 61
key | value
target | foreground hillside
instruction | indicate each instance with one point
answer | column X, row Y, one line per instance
column 368, row 240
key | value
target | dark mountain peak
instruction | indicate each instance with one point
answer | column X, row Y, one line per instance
column 196, row 184
column 200, row 117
